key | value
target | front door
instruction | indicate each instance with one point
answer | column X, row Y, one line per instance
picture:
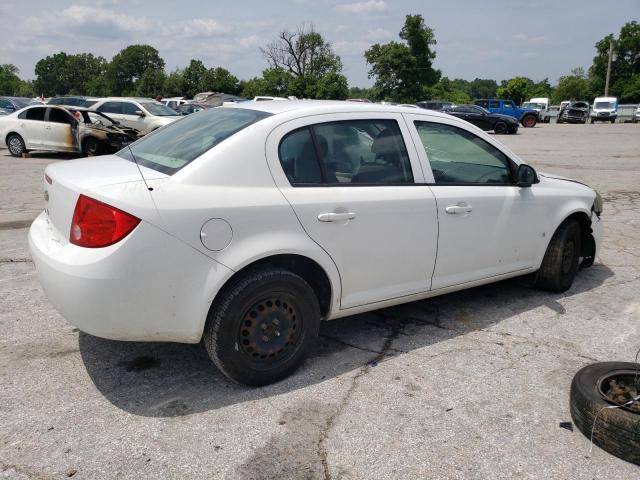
column 355, row 187
column 61, row 132
column 488, row 225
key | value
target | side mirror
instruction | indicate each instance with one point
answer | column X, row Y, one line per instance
column 140, row 113
column 526, row 176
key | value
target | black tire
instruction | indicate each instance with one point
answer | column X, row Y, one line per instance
column 529, row 121
column 616, row 430
column 15, row 144
column 592, row 121
column 500, row 128
column 558, row 120
column 91, row 147
column 262, row 304
column 562, row 258
column 613, row 120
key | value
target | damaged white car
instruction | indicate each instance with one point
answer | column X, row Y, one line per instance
column 63, row 129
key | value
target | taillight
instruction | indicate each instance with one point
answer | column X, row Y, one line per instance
column 96, row 224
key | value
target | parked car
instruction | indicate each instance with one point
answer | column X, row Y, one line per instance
column 12, row 104
column 63, row 129
column 574, row 112
column 142, row 114
column 264, row 98
column 526, row 116
column 437, row 105
column 174, row 102
column 247, row 225
column 72, row 101
column 217, row 99
column 636, row 115
column 484, row 119
column 540, row 105
column 191, row 107
column 605, row 109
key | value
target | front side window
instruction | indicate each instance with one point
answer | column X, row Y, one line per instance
column 171, row 148
column 364, row 152
column 129, row 108
column 157, row 108
column 457, row 156
column 493, row 104
column 59, row 116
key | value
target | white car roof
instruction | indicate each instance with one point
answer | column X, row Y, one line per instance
column 328, row 106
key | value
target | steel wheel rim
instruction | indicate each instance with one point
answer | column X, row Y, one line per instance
column 270, row 329
column 630, row 376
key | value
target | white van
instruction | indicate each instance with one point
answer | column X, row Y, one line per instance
column 540, row 105
column 605, row 109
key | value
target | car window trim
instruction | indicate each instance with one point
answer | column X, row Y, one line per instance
column 316, row 149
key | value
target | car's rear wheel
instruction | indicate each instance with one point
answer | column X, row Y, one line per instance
column 91, row 147
column 529, row 121
column 262, row 326
column 562, row 258
column 592, row 121
column 16, row 145
column 500, row 128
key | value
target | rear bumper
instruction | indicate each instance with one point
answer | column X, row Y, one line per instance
column 148, row 287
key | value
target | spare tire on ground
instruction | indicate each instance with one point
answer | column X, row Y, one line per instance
column 595, row 391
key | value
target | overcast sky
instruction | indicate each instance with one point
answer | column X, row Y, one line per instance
column 487, row 39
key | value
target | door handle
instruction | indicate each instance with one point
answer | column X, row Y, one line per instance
column 336, row 217
column 454, row 209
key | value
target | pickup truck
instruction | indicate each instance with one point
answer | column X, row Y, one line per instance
column 526, row 116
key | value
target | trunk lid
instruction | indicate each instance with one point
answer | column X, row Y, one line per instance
column 110, row 179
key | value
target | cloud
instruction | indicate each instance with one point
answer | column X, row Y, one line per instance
column 370, row 6
column 199, row 27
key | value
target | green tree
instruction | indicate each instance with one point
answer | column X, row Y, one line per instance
column 61, row 74
column 448, row 90
column 151, row 83
column 483, row 88
column 274, row 82
column 403, row 70
column 307, row 63
column 174, row 84
column 540, row 89
column 516, row 89
column 219, row 80
column 128, row 66
column 573, row 87
column 624, row 67
column 192, row 78
column 9, row 80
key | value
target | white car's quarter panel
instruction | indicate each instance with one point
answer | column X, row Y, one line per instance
column 132, row 290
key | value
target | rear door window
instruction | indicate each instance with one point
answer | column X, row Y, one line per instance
column 363, row 152
column 110, row 107
column 35, row 113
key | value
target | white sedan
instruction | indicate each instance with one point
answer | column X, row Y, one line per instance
column 247, row 225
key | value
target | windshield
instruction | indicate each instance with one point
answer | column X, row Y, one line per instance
column 605, row 105
column 96, row 118
column 171, row 148
column 158, row 109
column 534, row 106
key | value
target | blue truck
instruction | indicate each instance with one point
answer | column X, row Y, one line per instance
column 526, row 116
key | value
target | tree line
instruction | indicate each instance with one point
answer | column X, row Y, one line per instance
column 302, row 63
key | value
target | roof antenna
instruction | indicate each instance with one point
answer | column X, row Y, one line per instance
column 139, row 169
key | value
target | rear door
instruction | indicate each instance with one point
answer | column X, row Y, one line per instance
column 61, row 131
column 488, row 226
column 356, row 185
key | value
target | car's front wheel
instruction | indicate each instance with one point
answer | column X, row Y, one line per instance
column 262, row 326
column 16, row 145
column 91, row 147
column 500, row 128
column 562, row 258
column 529, row 121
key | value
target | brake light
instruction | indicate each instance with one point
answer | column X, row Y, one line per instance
column 96, row 224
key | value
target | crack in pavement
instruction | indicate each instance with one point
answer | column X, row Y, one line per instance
column 16, row 260
column 395, row 329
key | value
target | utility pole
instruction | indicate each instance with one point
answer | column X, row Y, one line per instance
column 606, row 84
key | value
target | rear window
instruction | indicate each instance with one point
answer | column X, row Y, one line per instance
column 175, row 146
